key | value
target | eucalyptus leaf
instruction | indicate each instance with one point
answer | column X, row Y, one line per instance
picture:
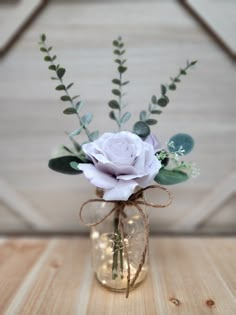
column 143, row 115
column 182, row 141
column 116, row 52
column 170, row 177
column 112, row 115
column 141, row 129
column 163, row 89
column 116, row 92
column 69, row 111
column 125, row 117
column 125, row 83
column 94, row 135
column 69, row 86
column 116, row 81
column 122, row 69
column 47, row 58
column 172, row 86
column 163, row 101
column 43, row 37
column 115, row 43
column 65, row 98
column 156, row 111
column 52, row 67
column 62, row 165
column 151, row 121
column 79, row 105
column 61, row 72
column 74, row 97
column 60, row 87
column 76, row 132
column 86, row 119
column 114, row 104
column 154, row 99
column 43, row 49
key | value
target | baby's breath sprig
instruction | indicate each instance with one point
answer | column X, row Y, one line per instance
column 75, row 104
column 117, row 104
column 141, row 127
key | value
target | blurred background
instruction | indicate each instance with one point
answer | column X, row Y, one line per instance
column 160, row 35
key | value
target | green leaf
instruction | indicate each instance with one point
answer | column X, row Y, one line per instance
column 121, row 45
column 52, row 67
column 163, row 101
column 141, row 129
column 116, row 52
column 192, row 63
column 170, row 177
column 115, row 43
column 181, row 141
column 177, row 80
column 163, row 90
column 74, row 97
column 76, row 145
column 50, row 48
column 43, row 37
column 43, row 49
column 79, row 105
column 172, row 86
column 183, row 72
column 122, row 52
column 151, row 122
column 125, row 83
column 116, row 92
column 125, row 117
column 67, row 149
column 54, row 57
column 112, row 115
column 94, row 135
column 156, row 111
column 143, row 115
column 69, row 86
column 47, row 58
column 60, row 87
column 60, row 72
column 65, row 98
column 116, row 81
column 62, row 165
column 154, row 99
column 122, row 69
column 76, row 132
column 69, row 111
column 114, row 104
column 118, row 61
column 54, row 78
column 86, row 119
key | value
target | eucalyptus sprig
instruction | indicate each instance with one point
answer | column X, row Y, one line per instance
column 117, row 104
column 141, row 127
column 75, row 104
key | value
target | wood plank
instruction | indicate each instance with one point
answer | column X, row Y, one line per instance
column 187, row 276
column 17, row 259
column 219, row 19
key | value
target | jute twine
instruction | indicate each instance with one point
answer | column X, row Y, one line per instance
column 137, row 200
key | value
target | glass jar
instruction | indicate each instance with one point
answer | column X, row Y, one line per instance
column 114, row 251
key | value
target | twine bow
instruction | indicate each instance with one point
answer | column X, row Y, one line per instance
column 137, row 200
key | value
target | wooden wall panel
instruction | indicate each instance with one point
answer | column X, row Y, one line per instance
column 160, row 36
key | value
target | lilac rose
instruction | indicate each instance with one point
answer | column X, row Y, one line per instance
column 120, row 162
column 152, row 139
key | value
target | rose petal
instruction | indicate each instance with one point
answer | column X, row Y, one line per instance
column 96, row 177
column 121, row 191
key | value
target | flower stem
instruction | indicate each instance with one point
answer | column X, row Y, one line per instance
column 117, row 262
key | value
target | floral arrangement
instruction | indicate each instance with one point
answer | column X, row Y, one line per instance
column 120, row 163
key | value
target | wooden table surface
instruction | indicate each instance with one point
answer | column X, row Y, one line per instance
column 192, row 276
